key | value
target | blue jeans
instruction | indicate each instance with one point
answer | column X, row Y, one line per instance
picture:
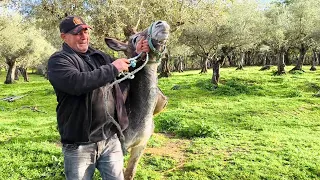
column 80, row 161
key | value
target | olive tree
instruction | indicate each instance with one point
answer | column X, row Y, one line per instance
column 40, row 55
column 206, row 31
column 15, row 42
column 21, row 44
column 303, row 16
column 245, row 20
column 275, row 34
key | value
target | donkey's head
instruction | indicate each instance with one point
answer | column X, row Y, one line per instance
column 157, row 35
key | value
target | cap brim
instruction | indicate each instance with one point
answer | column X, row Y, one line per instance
column 77, row 29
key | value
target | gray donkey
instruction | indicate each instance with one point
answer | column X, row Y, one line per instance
column 142, row 96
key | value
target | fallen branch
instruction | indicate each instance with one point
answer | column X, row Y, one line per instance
column 317, row 94
column 12, row 98
column 33, row 108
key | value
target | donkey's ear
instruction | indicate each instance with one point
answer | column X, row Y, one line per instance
column 115, row 44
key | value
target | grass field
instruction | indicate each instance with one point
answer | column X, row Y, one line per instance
column 253, row 126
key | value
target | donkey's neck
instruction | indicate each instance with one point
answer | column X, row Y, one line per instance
column 146, row 78
column 143, row 91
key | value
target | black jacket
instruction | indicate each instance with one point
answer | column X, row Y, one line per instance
column 78, row 81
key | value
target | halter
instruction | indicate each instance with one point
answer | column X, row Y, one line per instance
column 149, row 38
column 158, row 53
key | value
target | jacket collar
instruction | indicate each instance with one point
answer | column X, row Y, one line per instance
column 67, row 48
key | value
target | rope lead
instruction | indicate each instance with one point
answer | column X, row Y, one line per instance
column 130, row 75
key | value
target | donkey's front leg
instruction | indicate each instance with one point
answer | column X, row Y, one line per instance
column 135, row 155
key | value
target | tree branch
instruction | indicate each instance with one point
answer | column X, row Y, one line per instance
column 138, row 22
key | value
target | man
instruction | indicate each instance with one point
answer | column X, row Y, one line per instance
column 78, row 74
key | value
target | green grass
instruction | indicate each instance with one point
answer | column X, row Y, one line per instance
column 253, row 126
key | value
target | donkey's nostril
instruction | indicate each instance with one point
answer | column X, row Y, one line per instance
column 134, row 40
column 159, row 22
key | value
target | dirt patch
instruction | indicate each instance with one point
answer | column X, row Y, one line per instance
column 173, row 148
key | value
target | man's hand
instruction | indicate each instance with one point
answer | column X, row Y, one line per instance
column 121, row 64
column 142, row 46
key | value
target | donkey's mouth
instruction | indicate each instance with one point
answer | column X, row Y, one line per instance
column 162, row 32
column 163, row 36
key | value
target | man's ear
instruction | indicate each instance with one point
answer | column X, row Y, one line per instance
column 116, row 45
column 62, row 35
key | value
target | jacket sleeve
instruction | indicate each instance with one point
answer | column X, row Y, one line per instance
column 66, row 77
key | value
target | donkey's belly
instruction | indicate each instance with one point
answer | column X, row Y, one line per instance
column 136, row 137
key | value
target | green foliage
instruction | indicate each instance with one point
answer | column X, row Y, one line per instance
column 156, row 141
column 108, row 18
column 303, row 17
column 198, row 27
column 169, row 124
column 198, row 129
column 205, row 85
column 159, row 163
column 207, row 28
column 14, row 40
column 41, row 52
column 245, row 20
column 296, row 72
column 275, row 27
column 232, row 87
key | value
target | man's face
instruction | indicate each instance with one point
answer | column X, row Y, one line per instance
column 78, row 42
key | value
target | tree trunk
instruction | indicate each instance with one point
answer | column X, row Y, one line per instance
column 24, row 73
column 248, row 58
column 204, row 65
column 231, row 60
column 226, row 62
column 314, row 60
column 165, row 70
column 265, row 63
column 302, row 54
column 185, row 62
column 240, row 65
column 216, row 73
column 180, row 64
column 286, row 57
column 281, row 63
column 11, row 71
column 16, row 74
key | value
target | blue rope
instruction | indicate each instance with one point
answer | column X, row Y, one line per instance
column 133, row 61
column 129, row 75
